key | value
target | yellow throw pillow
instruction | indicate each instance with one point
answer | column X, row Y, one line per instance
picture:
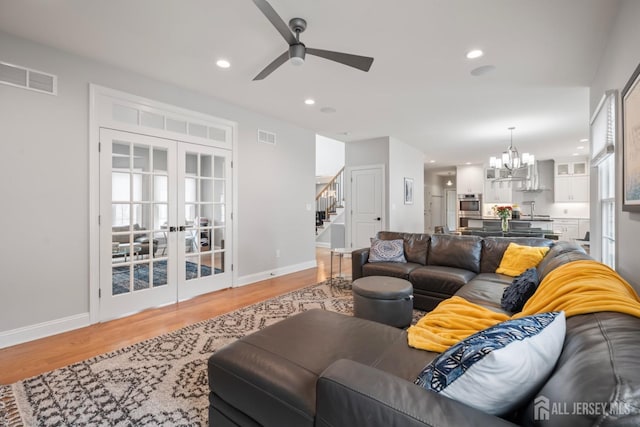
column 518, row 258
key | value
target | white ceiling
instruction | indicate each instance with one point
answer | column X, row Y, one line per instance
column 418, row 90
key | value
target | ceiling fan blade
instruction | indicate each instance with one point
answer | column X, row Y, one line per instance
column 272, row 67
column 276, row 21
column 356, row 61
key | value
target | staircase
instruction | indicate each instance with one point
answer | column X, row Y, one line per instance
column 330, row 211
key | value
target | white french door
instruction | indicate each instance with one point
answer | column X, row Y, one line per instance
column 204, row 196
column 164, row 221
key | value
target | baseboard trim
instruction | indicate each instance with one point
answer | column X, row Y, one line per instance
column 270, row 274
column 44, row 329
column 323, row 245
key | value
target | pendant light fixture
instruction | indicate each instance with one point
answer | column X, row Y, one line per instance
column 510, row 159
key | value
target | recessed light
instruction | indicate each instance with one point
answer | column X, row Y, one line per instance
column 223, row 63
column 467, row 163
column 473, row 54
column 309, row 101
column 584, row 140
column 432, row 161
column 575, row 154
column 580, row 147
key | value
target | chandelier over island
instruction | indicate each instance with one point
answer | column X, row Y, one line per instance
column 510, row 160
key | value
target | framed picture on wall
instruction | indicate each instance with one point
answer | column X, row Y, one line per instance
column 631, row 143
column 408, row 191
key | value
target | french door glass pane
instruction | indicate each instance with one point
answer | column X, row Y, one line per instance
column 139, row 181
column 159, row 160
column 199, row 194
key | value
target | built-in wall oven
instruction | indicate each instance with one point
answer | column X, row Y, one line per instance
column 469, row 207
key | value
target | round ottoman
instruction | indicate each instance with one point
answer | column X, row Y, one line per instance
column 383, row 299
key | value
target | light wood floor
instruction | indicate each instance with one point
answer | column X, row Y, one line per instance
column 43, row 355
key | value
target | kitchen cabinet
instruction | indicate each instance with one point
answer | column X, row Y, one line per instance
column 470, row 179
column 568, row 229
column 571, row 168
column 497, row 192
column 583, row 227
column 571, row 188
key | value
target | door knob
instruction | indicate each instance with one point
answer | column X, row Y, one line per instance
column 173, row 229
column 182, row 228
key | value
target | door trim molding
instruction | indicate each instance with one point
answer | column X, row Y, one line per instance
column 102, row 99
column 348, row 205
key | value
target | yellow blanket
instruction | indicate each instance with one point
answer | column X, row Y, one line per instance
column 577, row 287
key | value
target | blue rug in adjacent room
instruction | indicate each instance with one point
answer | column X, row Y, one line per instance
column 121, row 275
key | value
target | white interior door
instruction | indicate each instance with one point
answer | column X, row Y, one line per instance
column 137, row 199
column 204, row 196
column 165, row 221
column 367, row 205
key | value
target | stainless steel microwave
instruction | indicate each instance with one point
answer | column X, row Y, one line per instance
column 470, row 204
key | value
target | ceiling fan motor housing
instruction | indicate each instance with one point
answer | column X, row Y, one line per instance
column 297, row 53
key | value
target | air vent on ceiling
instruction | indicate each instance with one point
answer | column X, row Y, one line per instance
column 266, row 137
column 27, row 78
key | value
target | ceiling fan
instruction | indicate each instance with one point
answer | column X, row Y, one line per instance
column 297, row 49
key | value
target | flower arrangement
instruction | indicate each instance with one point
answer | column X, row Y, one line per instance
column 504, row 212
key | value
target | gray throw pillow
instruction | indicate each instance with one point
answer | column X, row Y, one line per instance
column 387, row 251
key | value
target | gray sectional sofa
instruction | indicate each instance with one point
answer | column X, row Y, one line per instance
column 439, row 265
column 321, row 368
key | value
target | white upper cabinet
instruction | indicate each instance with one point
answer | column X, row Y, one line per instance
column 497, row 191
column 470, row 179
column 571, row 183
column 571, row 168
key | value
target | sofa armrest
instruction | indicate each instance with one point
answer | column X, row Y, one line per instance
column 349, row 393
column 359, row 257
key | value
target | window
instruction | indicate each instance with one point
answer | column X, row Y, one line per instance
column 607, row 190
column 603, row 135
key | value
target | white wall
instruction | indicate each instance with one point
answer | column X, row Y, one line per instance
column 370, row 152
column 44, row 185
column 401, row 160
column 620, row 59
column 435, row 188
column 405, row 161
column 329, row 156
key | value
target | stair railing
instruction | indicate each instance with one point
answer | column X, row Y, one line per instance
column 330, row 197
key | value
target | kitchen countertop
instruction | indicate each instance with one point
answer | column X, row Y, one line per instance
column 547, row 219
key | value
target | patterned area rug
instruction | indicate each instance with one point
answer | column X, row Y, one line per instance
column 159, row 382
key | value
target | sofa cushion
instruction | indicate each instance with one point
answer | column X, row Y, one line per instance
column 520, row 290
column 271, row 375
column 392, row 269
column 387, row 251
column 561, row 253
column 598, row 367
column 494, row 370
column 518, row 258
column 486, row 289
column 455, row 251
column 442, row 280
column 416, row 245
column 493, row 249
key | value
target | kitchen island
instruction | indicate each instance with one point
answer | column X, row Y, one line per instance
column 488, row 226
column 539, row 222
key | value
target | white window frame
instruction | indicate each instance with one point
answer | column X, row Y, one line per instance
column 603, row 141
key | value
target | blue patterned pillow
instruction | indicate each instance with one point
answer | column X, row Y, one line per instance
column 387, row 251
column 520, row 290
column 496, row 369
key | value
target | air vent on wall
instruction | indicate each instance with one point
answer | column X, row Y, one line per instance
column 27, row 78
column 266, row 137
